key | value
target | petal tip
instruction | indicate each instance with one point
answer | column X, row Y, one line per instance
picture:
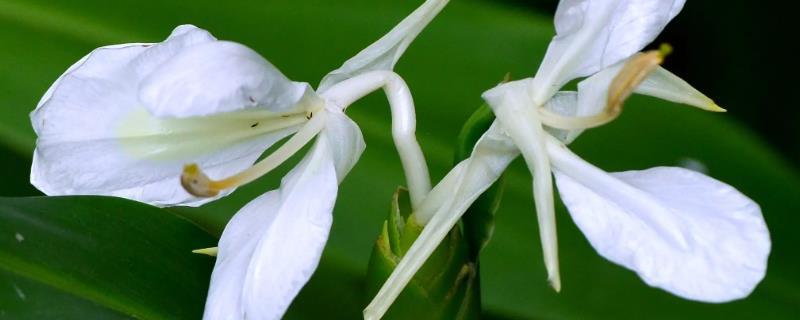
column 555, row 283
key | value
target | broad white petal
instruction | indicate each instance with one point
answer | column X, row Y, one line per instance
column 594, row 34
column 384, row 53
column 96, row 136
column 216, row 77
column 679, row 230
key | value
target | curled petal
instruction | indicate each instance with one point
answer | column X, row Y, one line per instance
column 384, row 53
column 594, row 34
column 679, row 230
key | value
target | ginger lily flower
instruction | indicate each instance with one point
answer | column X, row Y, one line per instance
column 156, row 122
column 679, row 230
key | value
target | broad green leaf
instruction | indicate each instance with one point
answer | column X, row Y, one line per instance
column 99, row 258
column 464, row 52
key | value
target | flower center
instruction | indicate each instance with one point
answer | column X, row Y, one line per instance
column 199, row 184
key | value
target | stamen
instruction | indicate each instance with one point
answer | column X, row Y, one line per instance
column 199, row 184
column 622, row 86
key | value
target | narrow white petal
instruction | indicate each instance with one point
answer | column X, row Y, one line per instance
column 679, row 230
column 384, row 53
column 665, row 85
column 512, row 105
column 594, row 34
column 216, row 77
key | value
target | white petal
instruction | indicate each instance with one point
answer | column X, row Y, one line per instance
column 384, row 53
column 345, row 141
column 273, row 245
column 95, row 136
column 216, row 77
column 679, row 230
column 235, row 250
column 594, row 34
column 511, row 103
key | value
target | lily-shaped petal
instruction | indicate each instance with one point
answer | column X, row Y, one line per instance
column 659, row 222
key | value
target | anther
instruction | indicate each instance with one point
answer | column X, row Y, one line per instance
column 197, row 183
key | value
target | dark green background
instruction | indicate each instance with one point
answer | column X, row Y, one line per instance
column 729, row 52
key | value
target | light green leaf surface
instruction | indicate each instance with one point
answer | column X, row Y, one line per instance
column 464, row 52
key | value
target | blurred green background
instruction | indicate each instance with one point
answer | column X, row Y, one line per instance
column 107, row 258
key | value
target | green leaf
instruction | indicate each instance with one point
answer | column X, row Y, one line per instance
column 77, row 257
column 465, row 51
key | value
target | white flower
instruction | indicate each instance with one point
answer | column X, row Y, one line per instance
column 139, row 120
column 677, row 229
